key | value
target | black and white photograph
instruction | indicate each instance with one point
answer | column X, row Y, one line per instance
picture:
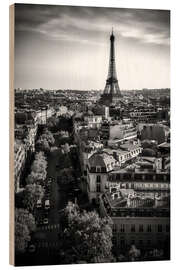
column 91, row 134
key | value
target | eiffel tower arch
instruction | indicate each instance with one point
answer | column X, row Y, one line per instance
column 112, row 93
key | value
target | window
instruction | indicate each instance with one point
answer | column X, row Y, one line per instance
column 98, row 179
column 167, row 228
column 148, row 242
column 140, row 242
column 122, row 242
column 160, row 243
column 132, row 242
column 103, row 169
column 138, row 177
column 133, row 228
column 98, row 188
column 122, row 228
column 128, row 176
column 159, row 227
column 149, row 228
column 141, row 228
column 114, row 228
column 98, row 169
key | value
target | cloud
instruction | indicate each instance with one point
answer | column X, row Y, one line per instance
column 83, row 24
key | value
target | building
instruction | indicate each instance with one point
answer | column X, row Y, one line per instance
column 92, row 121
column 155, row 132
column 101, row 110
column 138, row 219
column 136, row 198
column 101, row 163
column 116, row 132
column 143, row 115
column 43, row 114
column 19, row 162
column 61, row 110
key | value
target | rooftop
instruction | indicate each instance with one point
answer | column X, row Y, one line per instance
column 102, row 159
column 164, row 145
column 120, row 198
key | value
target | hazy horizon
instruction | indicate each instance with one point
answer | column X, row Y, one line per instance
column 67, row 47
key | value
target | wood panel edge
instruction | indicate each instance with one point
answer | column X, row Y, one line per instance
column 11, row 135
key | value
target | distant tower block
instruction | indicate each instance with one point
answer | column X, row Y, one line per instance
column 112, row 93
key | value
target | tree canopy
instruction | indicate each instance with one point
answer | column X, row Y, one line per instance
column 47, row 135
column 24, row 225
column 45, row 141
column 38, row 170
column 86, row 236
column 42, row 145
column 32, row 193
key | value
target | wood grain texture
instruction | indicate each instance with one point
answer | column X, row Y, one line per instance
column 11, row 135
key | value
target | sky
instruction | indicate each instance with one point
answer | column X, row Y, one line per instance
column 66, row 47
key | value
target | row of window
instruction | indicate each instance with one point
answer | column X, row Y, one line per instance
column 148, row 242
column 98, row 169
column 129, row 155
column 143, row 228
column 139, row 176
column 144, row 185
column 138, row 185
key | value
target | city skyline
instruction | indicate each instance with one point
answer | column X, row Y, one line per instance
column 66, row 47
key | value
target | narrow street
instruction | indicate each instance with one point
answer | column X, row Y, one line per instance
column 46, row 236
column 57, row 201
column 58, row 197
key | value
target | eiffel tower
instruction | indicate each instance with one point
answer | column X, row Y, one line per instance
column 111, row 94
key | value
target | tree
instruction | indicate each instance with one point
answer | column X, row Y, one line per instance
column 86, row 236
column 30, row 179
column 134, row 253
column 66, row 148
column 32, row 193
column 43, row 145
column 53, row 123
column 39, row 177
column 39, row 165
column 47, row 135
column 23, row 216
column 40, row 162
column 40, row 156
column 24, row 225
column 38, row 173
column 65, row 176
column 22, row 237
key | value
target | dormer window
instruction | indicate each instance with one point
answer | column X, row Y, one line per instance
column 93, row 169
